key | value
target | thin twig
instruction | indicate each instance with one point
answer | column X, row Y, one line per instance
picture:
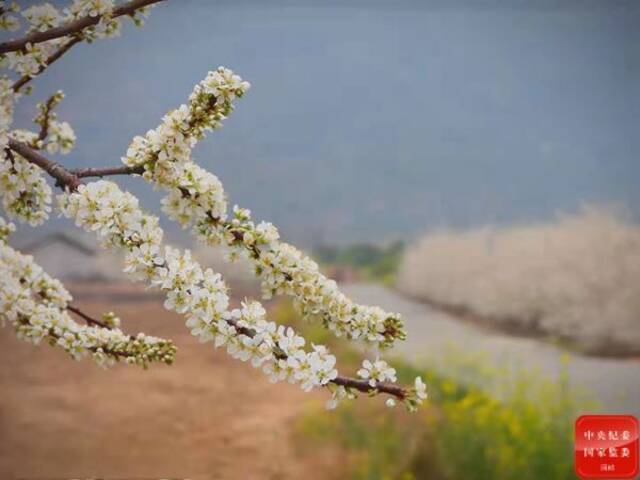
column 51, row 333
column 347, row 382
column 90, row 320
column 57, row 171
column 106, row 171
column 46, row 118
column 87, row 318
column 365, row 387
column 73, row 27
column 22, row 81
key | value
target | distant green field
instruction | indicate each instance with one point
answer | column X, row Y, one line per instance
column 377, row 263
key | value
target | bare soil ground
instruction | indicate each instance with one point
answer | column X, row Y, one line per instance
column 207, row 416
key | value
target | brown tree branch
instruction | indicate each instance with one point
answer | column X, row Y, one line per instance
column 107, row 171
column 22, row 320
column 22, row 81
column 51, row 333
column 57, row 171
column 90, row 320
column 87, row 318
column 347, row 382
column 46, row 118
column 66, row 178
column 364, row 386
column 73, row 27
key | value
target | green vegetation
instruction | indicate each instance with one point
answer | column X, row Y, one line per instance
column 464, row 433
column 378, row 263
column 519, row 428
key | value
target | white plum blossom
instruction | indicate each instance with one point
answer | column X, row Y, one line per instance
column 7, row 20
column 55, row 136
column 91, row 8
column 42, row 17
column 196, row 199
column 32, row 59
column 420, row 388
column 29, row 61
column 61, row 137
column 26, row 196
column 35, row 305
column 339, row 394
column 107, row 27
column 6, row 229
column 377, row 371
column 7, row 100
column 201, row 295
column 416, row 395
column 25, row 136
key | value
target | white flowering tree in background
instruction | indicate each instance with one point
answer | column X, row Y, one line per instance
column 40, row 309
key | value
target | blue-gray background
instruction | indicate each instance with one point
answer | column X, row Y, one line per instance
column 378, row 120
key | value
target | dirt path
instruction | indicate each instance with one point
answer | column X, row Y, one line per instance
column 208, row 416
column 615, row 383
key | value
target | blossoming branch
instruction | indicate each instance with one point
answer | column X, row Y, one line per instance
column 38, row 306
column 196, row 198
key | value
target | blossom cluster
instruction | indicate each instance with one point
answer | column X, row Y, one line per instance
column 416, row 395
column 201, row 295
column 42, row 17
column 6, row 229
column 7, row 101
column 60, row 137
column 26, row 196
column 8, row 21
column 35, row 305
column 377, row 371
column 54, row 136
column 196, row 198
column 30, row 60
column 339, row 393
